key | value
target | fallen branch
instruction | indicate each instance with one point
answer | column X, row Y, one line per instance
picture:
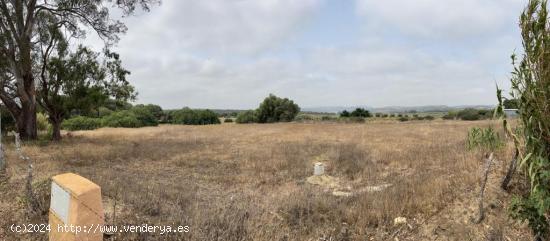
column 488, row 163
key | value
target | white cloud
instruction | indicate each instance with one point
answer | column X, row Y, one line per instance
column 450, row 19
column 219, row 26
column 228, row 53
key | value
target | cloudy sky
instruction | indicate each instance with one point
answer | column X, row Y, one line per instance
column 233, row 53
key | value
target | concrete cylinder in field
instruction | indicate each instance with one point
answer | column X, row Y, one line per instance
column 318, row 169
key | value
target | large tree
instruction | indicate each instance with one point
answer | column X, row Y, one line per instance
column 19, row 24
column 80, row 81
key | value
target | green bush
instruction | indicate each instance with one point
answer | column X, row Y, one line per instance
column 304, row 117
column 249, row 116
column 353, row 119
column 429, row 117
column 403, row 118
column 146, row 115
column 486, row 139
column 42, row 123
column 228, row 120
column 328, row 118
column 360, row 112
column 103, row 111
column 188, row 116
column 123, row 118
column 81, row 123
column 469, row 114
column 155, row 110
column 275, row 109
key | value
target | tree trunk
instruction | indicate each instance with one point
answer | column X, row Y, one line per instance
column 56, row 126
column 26, row 121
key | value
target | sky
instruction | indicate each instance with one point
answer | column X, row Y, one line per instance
column 230, row 54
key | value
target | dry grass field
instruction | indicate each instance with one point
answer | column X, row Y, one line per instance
column 248, row 182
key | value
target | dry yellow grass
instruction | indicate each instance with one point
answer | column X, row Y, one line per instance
column 247, row 182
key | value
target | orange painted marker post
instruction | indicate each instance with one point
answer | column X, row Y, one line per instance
column 76, row 211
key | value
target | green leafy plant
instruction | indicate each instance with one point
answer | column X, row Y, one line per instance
column 484, row 138
column 530, row 86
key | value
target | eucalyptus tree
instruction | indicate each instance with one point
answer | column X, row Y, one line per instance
column 80, row 80
column 19, row 27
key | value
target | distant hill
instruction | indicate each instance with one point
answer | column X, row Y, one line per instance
column 395, row 109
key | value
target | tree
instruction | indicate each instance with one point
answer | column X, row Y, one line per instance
column 20, row 23
column 249, row 116
column 79, row 81
column 360, row 112
column 275, row 109
column 345, row 113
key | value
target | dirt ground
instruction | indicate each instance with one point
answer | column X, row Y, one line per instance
column 249, row 182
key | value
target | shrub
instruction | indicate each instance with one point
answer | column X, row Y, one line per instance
column 328, row 118
column 247, row 117
column 146, row 115
column 42, row 123
column 403, row 118
column 451, row 115
column 188, row 116
column 486, row 139
column 345, row 113
column 155, row 110
column 353, row 119
column 429, row 117
column 228, row 120
column 103, row 111
column 275, row 109
column 81, row 123
column 471, row 114
column 123, row 118
column 360, row 112
column 303, row 117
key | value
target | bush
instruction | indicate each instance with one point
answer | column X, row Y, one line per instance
column 188, row 116
column 123, row 118
column 247, row 117
column 360, row 112
column 470, row 114
column 275, row 109
column 103, row 111
column 228, row 120
column 345, row 113
column 451, row 115
column 42, row 123
column 429, row 117
column 81, row 123
column 486, row 139
column 155, row 110
column 146, row 115
column 403, row 118
column 303, row 117
column 328, row 118
column 352, row 119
